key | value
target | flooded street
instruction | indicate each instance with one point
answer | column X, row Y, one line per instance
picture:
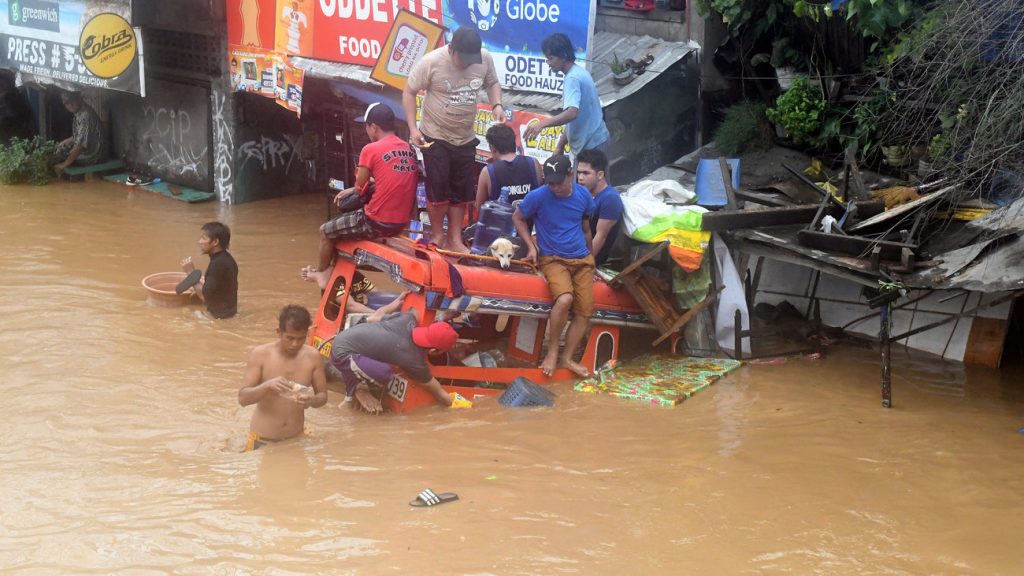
column 122, row 433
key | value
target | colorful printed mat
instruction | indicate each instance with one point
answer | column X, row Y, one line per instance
column 660, row 380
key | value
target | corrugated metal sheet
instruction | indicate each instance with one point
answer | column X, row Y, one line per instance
column 335, row 70
column 606, row 46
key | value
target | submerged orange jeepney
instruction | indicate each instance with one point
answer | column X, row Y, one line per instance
column 511, row 306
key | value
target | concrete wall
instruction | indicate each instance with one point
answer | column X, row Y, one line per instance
column 269, row 158
column 195, row 16
column 656, row 125
column 166, row 134
column 664, row 24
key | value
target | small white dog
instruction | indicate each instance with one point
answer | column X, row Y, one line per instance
column 503, row 249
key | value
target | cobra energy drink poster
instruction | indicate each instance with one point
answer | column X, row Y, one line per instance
column 90, row 43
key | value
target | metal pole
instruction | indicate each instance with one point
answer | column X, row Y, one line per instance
column 886, row 358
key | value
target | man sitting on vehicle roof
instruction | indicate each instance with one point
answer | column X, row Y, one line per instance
column 391, row 163
column 560, row 210
column 364, row 354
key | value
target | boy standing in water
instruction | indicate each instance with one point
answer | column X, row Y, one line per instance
column 219, row 287
column 283, row 378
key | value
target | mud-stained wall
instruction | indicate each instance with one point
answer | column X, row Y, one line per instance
column 167, row 134
column 270, row 155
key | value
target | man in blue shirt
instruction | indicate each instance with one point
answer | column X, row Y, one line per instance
column 560, row 210
column 581, row 108
column 591, row 167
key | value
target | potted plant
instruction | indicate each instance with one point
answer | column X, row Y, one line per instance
column 896, row 155
column 799, row 112
column 622, row 73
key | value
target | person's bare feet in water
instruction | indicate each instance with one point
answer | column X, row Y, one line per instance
column 576, row 368
column 311, row 274
column 366, row 401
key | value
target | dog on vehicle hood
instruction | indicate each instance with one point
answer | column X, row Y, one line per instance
column 503, row 249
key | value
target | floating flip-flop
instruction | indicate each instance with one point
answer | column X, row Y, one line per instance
column 191, row 280
column 429, row 498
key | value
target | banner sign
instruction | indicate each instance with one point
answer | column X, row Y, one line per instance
column 261, row 34
column 541, row 147
column 356, row 31
column 513, row 30
column 269, row 74
column 411, row 37
column 83, row 42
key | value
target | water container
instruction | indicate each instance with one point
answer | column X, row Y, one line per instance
column 483, row 237
column 495, row 222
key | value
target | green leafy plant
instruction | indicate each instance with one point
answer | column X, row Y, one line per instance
column 866, row 129
column 744, row 127
column 800, row 110
column 938, row 148
column 25, row 161
column 618, row 66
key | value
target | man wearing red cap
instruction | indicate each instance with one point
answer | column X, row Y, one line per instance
column 365, row 353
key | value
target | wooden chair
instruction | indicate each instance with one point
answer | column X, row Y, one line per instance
column 652, row 295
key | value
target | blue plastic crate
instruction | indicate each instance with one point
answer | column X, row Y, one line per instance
column 522, row 393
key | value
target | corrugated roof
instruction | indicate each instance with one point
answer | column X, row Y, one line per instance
column 606, row 45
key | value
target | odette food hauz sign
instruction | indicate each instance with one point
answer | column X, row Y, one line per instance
column 355, row 32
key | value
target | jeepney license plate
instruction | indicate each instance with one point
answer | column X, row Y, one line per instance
column 397, row 388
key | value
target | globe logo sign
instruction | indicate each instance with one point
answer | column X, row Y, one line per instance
column 484, row 13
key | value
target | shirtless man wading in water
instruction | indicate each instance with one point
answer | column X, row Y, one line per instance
column 277, row 379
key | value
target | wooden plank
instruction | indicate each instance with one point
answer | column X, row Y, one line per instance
column 903, row 209
column 851, row 245
column 860, row 191
column 638, row 263
column 684, row 319
column 730, row 192
column 764, row 199
column 985, row 343
column 723, row 220
column 79, row 170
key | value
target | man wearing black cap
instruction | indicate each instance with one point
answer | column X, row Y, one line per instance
column 560, row 210
column 452, row 78
column 392, row 164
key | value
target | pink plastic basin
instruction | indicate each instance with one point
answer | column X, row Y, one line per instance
column 160, row 289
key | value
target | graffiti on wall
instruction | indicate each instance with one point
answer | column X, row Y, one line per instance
column 173, row 150
column 168, row 133
column 270, row 153
column 223, row 149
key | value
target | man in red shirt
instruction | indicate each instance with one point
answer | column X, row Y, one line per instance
column 392, row 164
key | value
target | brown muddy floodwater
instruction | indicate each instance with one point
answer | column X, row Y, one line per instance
column 121, row 435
